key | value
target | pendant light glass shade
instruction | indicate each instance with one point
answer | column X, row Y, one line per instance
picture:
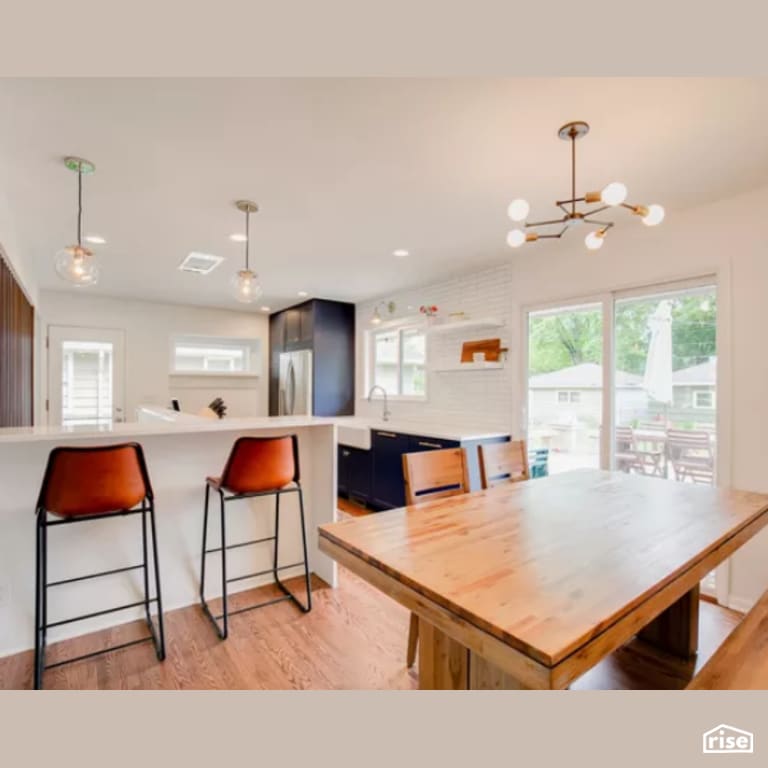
column 77, row 265
column 245, row 286
column 245, row 283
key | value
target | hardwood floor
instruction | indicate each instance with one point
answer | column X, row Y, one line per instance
column 354, row 638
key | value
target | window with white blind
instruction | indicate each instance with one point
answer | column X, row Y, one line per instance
column 86, row 383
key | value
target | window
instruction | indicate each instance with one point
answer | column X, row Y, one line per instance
column 398, row 362
column 195, row 355
column 703, row 398
column 569, row 397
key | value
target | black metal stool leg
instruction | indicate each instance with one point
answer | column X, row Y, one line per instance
column 306, row 608
column 145, row 566
column 206, row 608
column 224, row 606
column 160, row 640
column 38, row 671
column 306, row 556
column 205, row 543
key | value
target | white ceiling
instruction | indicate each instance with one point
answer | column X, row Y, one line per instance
column 345, row 171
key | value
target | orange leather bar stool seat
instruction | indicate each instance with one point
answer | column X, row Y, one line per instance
column 93, row 483
column 83, row 481
column 257, row 466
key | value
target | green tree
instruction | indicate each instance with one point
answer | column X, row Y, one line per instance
column 570, row 338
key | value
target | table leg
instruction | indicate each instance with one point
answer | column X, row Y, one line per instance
column 676, row 630
column 445, row 664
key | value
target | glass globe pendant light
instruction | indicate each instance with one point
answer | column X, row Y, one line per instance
column 245, row 283
column 75, row 263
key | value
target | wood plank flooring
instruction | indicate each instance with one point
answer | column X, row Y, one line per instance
column 354, row 638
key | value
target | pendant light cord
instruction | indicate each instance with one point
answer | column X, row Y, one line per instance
column 79, row 205
column 247, row 237
column 573, row 173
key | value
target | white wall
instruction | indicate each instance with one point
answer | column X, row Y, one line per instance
column 728, row 239
column 148, row 328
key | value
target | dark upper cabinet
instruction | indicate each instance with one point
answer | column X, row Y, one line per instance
column 298, row 326
column 328, row 329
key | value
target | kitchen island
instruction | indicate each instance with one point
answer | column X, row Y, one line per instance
column 180, row 451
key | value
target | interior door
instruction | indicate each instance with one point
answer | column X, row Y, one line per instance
column 86, row 376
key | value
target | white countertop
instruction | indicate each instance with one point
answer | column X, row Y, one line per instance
column 166, row 422
column 425, row 429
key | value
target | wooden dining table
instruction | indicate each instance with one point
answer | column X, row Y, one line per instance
column 530, row 584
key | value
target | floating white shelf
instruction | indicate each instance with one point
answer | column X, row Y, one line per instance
column 470, row 367
column 465, row 325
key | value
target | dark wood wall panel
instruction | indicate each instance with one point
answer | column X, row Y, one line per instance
column 17, row 319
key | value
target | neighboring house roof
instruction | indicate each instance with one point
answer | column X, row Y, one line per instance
column 582, row 376
column 701, row 375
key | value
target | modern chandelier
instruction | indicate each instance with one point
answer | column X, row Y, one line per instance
column 75, row 263
column 245, row 283
column 611, row 196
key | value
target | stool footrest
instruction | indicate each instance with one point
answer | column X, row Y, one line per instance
column 99, row 613
column 94, row 575
column 264, row 573
column 256, row 605
column 241, row 544
column 146, row 639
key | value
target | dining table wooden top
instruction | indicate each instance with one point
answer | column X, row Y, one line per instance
column 549, row 564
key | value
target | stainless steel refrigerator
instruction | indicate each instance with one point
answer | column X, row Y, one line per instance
column 295, row 388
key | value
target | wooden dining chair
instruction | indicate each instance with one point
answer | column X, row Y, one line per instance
column 503, row 463
column 432, row 475
column 692, row 456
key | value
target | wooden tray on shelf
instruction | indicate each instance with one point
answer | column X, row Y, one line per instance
column 491, row 348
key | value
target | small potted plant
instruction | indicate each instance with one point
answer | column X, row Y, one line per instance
column 430, row 310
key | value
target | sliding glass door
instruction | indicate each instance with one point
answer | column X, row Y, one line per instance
column 665, row 384
column 565, row 387
column 627, row 382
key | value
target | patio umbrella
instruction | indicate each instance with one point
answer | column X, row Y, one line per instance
column 657, row 381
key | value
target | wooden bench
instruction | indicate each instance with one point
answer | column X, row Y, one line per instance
column 741, row 662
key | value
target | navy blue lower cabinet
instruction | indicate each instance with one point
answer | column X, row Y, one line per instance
column 342, row 471
column 354, row 474
column 359, row 475
column 387, row 484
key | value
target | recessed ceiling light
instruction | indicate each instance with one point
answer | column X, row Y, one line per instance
column 266, row 309
column 303, row 293
column 200, row 263
column 238, row 237
column 95, row 239
column 401, row 253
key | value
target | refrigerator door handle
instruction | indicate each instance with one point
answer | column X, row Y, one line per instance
column 292, row 384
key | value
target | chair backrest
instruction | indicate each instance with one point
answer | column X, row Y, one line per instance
column 94, row 480
column 680, row 441
column 259, row 464
column 435, row 474
column 624, row 436
column 503, row 462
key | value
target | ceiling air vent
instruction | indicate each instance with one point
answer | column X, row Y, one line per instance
column 200, row 263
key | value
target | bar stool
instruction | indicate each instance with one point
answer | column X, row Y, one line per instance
column 94, row 483
column 257, row 466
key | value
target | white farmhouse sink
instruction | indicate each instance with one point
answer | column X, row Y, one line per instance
column 355, row 435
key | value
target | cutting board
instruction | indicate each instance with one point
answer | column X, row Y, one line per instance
column 489, row 347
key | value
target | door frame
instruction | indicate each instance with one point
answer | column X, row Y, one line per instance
column 48, row 370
